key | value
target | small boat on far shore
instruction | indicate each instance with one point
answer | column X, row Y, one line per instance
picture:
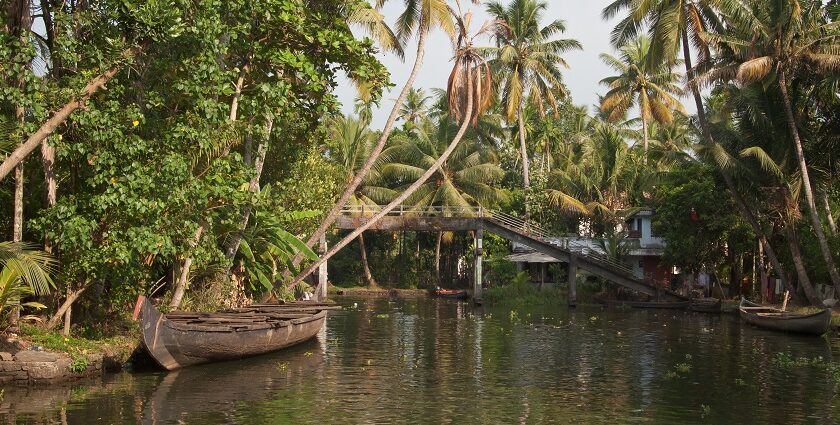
column 705, row 305
column 181, row 339
column 785, row 321
column 455, row 294
column 670, row 305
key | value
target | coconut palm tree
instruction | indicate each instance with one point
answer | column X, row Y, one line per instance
column 772, row 41
column 528, row 60
column 602, row 178
column 467, row 179
column 469, row 97
column 651, row 86
column 671, row 143
column 675, row 24
column 353, row 142
column 416, row 106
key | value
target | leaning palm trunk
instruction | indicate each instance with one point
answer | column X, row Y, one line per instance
column 466, row 119
column 799, row 265
column 708, row 140
column 523, row 148
column 377, row 150
column 806, row 184
column 645, row 136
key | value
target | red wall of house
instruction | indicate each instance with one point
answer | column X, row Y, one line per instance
column 654, row 270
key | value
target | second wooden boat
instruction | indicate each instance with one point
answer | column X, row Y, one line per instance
column 705, row 305
column 772, row 318
column 455, row 294
column 180, row 339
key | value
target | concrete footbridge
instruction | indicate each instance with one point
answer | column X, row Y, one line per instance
column 479, row 220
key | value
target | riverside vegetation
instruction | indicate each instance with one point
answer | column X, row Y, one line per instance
column 197, row 152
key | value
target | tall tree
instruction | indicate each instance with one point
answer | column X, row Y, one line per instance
column 675, row 24
column 416, row 106
column 528, row 59
column 470, row 95
column 773, row 41
column 353, row 142
column 465, row 180
column 650, row 86
column 420, row 16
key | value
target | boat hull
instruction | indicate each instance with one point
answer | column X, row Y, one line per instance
column 453, row 295
column 175, row 345
column 705, row 305
column 814, row 324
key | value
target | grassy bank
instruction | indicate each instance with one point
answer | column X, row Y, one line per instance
column 366, row 291
column 116, row 339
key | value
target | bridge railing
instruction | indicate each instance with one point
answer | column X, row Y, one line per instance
column 407, row 210
column 512, row 222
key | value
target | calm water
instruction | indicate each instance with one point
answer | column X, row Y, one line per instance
column 438, row 361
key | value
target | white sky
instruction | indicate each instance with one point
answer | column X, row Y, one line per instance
column 583, row 23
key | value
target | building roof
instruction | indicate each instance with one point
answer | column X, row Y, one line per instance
column 531, row 257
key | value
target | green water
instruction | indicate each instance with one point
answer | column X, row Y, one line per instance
column 439, row 361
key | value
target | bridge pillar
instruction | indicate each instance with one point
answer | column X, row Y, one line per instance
column 477, row 270
column 572, row 279
column 321, row 290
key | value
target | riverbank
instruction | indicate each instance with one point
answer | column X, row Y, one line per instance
column 37, row 356
column 366, row 291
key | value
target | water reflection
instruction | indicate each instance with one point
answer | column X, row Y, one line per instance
column 438, row 361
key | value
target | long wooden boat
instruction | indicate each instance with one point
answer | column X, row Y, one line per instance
column 455, row 294
column 705, row 305
column 785, row 321
column 181, row 339
column 670, row 305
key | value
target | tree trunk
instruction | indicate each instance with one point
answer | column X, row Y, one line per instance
column 832, row 225
column 437, row 257
column 806, row 184
column 363, row 252
column 234, row 103
column 48, row 162
column 17, row 232
column 181, row 285
column 254, row 186
column 709, row 141
column 67, row 316
column 408, row 192
column 72, row 296
column 645, row 136
column 374, row 154
column 53, row 122
column 801, row 272
column 523, row 147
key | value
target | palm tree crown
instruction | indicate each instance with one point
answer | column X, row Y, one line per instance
column 652, row 87
column 528, row 60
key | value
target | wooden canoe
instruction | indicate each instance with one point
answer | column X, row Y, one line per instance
column 772, row 318
column 705, row 305
column 670, row 305
column 181, row 339
column 455, row 294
